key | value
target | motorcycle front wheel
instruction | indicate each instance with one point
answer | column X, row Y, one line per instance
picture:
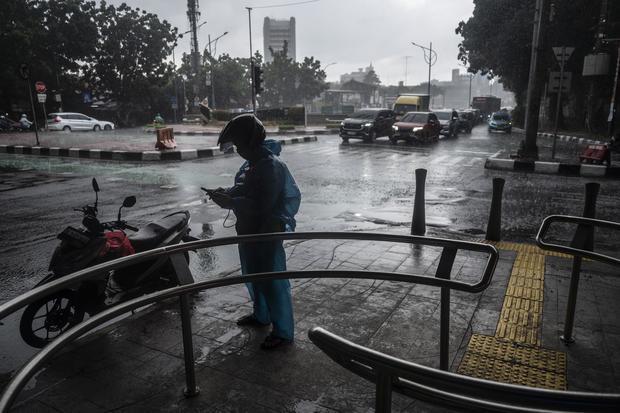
column 44, row 320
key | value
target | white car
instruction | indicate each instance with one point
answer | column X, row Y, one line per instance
column 69, row 121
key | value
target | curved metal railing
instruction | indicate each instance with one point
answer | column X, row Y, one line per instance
column 581, row 246
column 454, row 391
column 181, row 268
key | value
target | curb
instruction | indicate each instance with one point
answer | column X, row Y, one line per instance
column 279, row 133
column 552, row 168
column 134, row 156
column 565, row 138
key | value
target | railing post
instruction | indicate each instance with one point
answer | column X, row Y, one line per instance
column 418, row 223
column 383, row 396
column 494, row 226
column 443, row 271
column 184, row 275
column 583, row 239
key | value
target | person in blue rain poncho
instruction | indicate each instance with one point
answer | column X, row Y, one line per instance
column 264, row 198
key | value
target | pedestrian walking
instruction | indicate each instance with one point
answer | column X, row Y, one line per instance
column 264, row 199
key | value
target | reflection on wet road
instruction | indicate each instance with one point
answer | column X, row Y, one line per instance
column 352, row 186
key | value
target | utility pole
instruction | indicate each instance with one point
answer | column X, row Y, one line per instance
column 530, row 150
column 193, row 15
column 212, row 83
column 406, row 64
column 469, row 98
column 251, row 62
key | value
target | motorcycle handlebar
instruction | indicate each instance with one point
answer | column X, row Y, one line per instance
column 112, row 225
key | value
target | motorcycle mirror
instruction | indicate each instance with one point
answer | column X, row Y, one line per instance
column 95, row 185
column 129, row 201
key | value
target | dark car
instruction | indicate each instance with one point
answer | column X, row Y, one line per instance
column 449, row 122
column 421, row 127
column 466, row 121
column 367, row 124
column 500, row 121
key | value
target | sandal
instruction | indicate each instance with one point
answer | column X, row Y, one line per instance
column 272, row 342
column 250, row 320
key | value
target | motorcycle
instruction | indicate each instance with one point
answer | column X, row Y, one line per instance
column 94, row 243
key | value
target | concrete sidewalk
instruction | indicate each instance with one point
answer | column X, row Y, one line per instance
column 123, row 145
column 137, row 365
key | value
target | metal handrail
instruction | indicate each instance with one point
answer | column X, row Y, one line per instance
column 452, row 390
column 578, row 252
column 581, row 247
column 176, row 254
column 92, row 272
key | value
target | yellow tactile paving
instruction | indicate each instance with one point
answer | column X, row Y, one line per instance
column 522, row 309
column 527, row 248
column 501, row 360
column 514, row 354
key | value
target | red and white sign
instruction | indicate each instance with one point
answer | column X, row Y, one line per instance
column 40, row 87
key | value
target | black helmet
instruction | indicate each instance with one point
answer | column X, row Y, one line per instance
column 245, row 126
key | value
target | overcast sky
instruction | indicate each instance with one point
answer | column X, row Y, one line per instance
column 352, row 33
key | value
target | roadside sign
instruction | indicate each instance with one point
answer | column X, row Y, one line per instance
column 42, row 97
column 57, row 97
column 40, row 87
column 174, row 105
column 562, row 54
column 554, row 81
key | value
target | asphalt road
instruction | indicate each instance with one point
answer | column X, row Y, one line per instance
column 352, row 186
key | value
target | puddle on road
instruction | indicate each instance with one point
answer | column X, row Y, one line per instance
column 392, row 219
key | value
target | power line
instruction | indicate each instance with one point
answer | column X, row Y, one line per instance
column 285, row 4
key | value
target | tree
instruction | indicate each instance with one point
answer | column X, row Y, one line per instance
column 130, row 66
column 288, row 83
column 371, row 78
column 51, row 37
column 497, row 41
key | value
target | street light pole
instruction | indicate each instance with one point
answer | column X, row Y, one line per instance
column 251, row 61
column 212, row 72
column 431, row 60
column 429, row 69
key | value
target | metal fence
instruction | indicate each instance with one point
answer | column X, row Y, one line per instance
column 176, row 255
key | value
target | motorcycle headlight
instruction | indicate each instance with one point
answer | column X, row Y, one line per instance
column 394, row 127
column 418, row 129
column 368, row 124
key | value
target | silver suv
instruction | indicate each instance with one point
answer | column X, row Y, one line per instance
column 69, row 121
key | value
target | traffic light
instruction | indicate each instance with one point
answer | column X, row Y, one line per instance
column 258, row 80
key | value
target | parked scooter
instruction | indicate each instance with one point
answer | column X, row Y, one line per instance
column 8, row 125
column 94, row 243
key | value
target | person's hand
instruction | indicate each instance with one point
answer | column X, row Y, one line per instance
column 221, row 198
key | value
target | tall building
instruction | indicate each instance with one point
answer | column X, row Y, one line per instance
column 275, row 33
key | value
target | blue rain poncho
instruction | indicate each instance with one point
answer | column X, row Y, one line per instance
column 265, row 199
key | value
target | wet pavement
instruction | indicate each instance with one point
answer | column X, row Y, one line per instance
column 345, row 187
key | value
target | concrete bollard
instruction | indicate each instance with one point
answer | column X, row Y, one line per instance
column 418, row 223
column 494, row 226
